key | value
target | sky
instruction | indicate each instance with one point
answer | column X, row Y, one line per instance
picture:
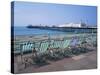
column 26, row 13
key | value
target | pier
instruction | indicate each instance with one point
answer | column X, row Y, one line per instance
column 68, row 29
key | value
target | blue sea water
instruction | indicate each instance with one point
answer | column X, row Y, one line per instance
column 34, row 31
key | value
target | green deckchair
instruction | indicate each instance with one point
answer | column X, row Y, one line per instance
column 27, row 46
column 17, row 47
column 66, row 43
column 56, row 44
column 51, row 44
column 37, row 45
column 58, row 54
column 43, row 47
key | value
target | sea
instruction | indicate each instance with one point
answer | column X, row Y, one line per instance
column 34, row 31
column 21, row 30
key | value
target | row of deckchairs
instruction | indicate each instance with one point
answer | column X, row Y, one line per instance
column 42, row 46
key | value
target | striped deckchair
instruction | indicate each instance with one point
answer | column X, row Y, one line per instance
column 43, row 47
column 27, row 46
column 17, row 47
column 60, row 44
column 56, row 44
column 58, row 53
column 51, row 44
column 66, row 43
column 37, row 45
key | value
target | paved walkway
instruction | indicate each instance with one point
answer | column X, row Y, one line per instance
column 85, row 61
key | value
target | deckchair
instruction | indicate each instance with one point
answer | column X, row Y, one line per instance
column 60, row 45
column 17, row 47
column 66, row 43
column 51, row 44
column 27, row 46
column 37, row 45
column 74, row 42
column 43, row 47
column 56, row 44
